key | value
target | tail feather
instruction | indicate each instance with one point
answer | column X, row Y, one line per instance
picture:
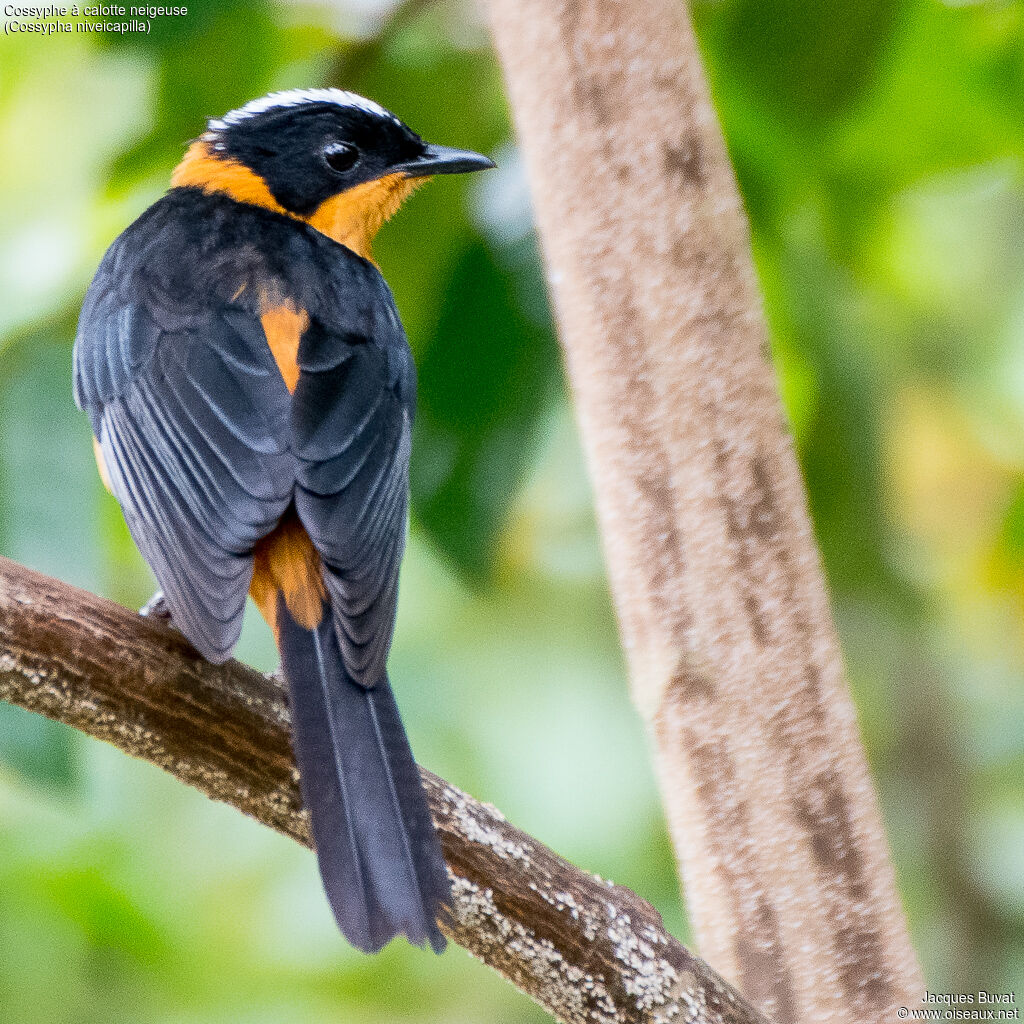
column 380, row 859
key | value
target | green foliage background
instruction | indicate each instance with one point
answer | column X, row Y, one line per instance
column 880, row 149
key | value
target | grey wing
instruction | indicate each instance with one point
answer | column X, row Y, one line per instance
column 191, row 415
column 352, row 425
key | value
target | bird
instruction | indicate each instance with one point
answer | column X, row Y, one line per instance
column 251, row 393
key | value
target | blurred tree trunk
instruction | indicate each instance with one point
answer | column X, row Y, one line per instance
column 732, row 651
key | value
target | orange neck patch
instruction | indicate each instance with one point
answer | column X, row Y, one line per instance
column 203, row 168
column 354, row 217
column 351, row 218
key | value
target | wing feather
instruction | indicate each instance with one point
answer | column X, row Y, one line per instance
column 352, row 439
column 192, row 417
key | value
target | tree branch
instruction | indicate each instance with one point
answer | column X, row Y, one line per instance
column 733, row 655
column 585, row 949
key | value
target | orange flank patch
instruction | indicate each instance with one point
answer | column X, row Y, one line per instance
column 205, row 169
column 286, row 562
column 284, row 327
column 354, row 217
column 97, row 450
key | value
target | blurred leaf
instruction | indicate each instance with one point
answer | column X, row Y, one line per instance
column 448, row 95
column 949, row 96
column 112, row 923
column 1009, row 554
column 484, row 382
column 811, row 60
column 41, row 752
column 222, row 55
column 840, row 438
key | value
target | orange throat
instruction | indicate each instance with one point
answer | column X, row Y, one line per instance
column 351, row 218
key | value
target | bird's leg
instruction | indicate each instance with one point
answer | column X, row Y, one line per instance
column 156, row 608
column 278, row 676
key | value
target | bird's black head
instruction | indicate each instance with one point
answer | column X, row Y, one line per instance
column 311, row 145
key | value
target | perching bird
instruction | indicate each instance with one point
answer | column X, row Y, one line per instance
column 251, row 392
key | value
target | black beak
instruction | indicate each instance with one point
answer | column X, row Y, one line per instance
column 444, row 160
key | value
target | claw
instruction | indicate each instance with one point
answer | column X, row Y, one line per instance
column 156, row 608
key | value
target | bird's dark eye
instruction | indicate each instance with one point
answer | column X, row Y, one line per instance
column 341, row 156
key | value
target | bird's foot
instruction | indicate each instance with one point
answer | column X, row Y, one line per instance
column 156, row 608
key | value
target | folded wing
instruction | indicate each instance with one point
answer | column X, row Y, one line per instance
column 191, row 415
column 352, row 425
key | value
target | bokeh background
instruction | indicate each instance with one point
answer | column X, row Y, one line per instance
column 880, row 150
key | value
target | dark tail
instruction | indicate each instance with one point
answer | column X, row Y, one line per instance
column 380, row 859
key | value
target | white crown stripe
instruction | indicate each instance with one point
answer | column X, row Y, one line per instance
column 296, row 98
